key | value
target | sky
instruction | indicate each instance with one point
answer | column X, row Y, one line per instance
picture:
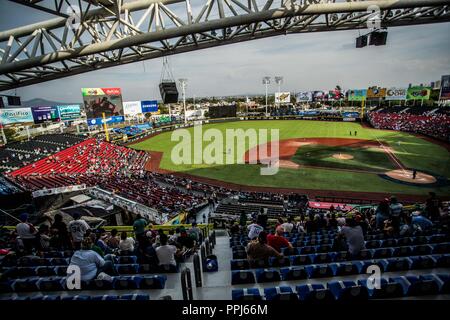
column 313, row 61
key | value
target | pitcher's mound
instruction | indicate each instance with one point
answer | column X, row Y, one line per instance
column 342, row 156
column 407, row 176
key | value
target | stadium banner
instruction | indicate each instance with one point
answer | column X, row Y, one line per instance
column 69, row 112
column 43, row 114
column 350, row 114
column 357, row 94
column 445, row 88
column 149, row 106
column 304, row 96
column 396, row 93
column 282, row 97
column 59, row 190
column 131, row 108
column 16, row 115
column 418, row 93
column 320, row 96
column 103, row 100
column 376, row 93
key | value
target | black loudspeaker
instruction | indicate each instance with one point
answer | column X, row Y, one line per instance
column 361, row 41
column 169, row 92
column 378, row 38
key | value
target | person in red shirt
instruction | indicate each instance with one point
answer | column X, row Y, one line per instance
column 277, row 241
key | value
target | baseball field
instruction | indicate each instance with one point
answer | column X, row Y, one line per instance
column 318, row 155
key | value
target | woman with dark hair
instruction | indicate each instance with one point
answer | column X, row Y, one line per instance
column 259, row 249
column 382, row 214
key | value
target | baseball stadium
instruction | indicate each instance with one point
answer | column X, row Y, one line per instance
column 122, row 185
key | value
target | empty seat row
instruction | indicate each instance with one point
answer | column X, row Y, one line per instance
column 394, row 287
column 41, row 297
column 59, row 283
column 338, row 269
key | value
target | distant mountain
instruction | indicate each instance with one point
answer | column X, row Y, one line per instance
column 43, row 102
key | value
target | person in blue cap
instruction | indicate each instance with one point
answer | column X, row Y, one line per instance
column 26, row 233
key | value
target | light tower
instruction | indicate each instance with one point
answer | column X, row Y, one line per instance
column 266, row 82
column 183, row 83
column 279, row 81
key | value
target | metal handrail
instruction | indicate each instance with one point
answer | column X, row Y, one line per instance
column 197, row 270
column 186, row 284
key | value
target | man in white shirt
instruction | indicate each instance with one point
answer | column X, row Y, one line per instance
column 254, row 229
column 26, row 232
column 288, row 226
column 354, row 235
column 90, row 262
column 166, row 253
column 78, row 228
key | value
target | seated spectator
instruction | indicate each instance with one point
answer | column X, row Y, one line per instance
column 277, row 241
column 113, row 240
column 195, row 232
column 43, row 238
column 91, row 264
column 78, row 229
column 382, row 213
column 185, row 240
column 61, row 235
column 388, row 229
column 353, row 233
column 419, row 220
column 254, row 229
column 126, row 243
column 166, row 252
column 26, row 233
column 259, row 249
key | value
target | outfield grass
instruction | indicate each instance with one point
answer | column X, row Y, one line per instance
column 412, row 151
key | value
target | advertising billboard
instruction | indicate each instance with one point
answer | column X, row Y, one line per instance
column 282, row 97
column 99, row 101
column 376, row 93
column 131, row 108
column 418, row 93
column 304, row 96
column 357, row 94
column 396, row 93
column 45, row 113
column 69, row 112
column 445, row 88
column 149, row 106
column 335, row 94
column 16, row 115
column 320, row 96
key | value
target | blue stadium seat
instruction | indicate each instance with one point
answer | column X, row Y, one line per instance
column 280, row 293
column 419, row 240
column 441, row 248
column 348, row 291
column 289, row 251
column 26, row 272
column 324, row 248
column 438, row 238
column 300, row 260
column 77, row 298
column 382, row 253
column 54, row 254
column 97, row 284
column 52, row 284
column 153, row 282
column 341, row 256
column 395, row 264
column 260, row 263
column 293, row 273
column 147, row 268
column 61, row 271
column 346, row 268
column 443, row 261
column 373, row 244
column 126, row 282
column 319, row 271
column 279, row 262
column 45, row 271
column 422, row 249
column 321, row 258
column 404, row 241
column 59, row 261
column 307, row 250
column 135, row 296
column 105, row 297
column 40, row 297
column 240, row 255
column 387, row 290
column 314, row 292
column 365, row 264
column 422, row 262
column 242, row 277
column 267, row 275
column 240, row 264
column 127, row 259
column 404, row 251
column 415, row 286
column 443, row 281
column 250, row 294
column 364, row 254
column 127, row 268
column 20, row 285
column 388, row 243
